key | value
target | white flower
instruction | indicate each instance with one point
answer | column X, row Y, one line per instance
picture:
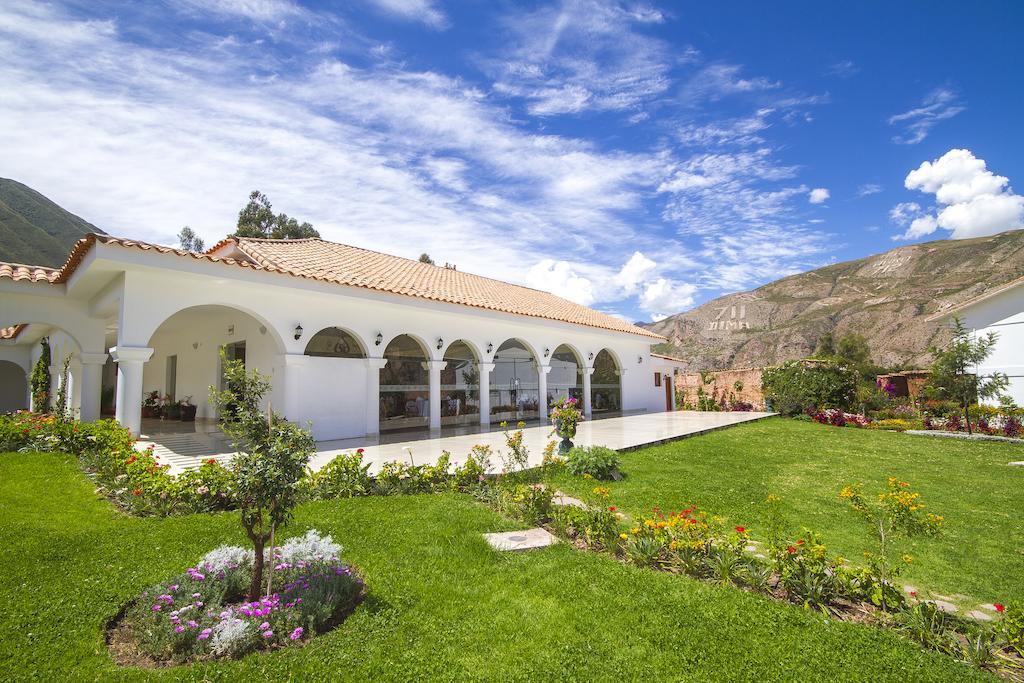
column 226, row 557
column 309, row 548
column 230, row 636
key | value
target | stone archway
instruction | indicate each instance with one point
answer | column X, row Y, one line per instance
column 606, row 386
column 404, row 392
column 515, row 383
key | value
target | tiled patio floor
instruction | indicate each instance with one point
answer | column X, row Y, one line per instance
column 620, row 433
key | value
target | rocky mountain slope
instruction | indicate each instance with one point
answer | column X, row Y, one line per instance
column 886, row 297
column 33, row 229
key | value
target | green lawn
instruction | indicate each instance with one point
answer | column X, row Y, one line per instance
column 730, row 472
column 441, row 604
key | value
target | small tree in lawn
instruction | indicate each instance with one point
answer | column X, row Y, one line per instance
column 271, row 460
column 951, row 374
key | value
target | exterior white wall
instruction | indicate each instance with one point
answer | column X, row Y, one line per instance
column 15, row 367
column 333, row 396
column 1004, row 315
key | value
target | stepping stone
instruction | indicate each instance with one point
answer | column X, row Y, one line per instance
column 1017, row 463
column 990, row 607
column 943, row 606
column 979, row 615
column 520, row 540
column 562, row 499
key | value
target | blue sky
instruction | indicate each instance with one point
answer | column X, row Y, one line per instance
column 639, row 158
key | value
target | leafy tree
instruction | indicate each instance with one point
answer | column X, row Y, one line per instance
column 951, row 375
column 257, row 219
column 189, row 241
column 271, row 460
column 425, row 258
column 826, row 346
column 800, row 386
column 40, row 379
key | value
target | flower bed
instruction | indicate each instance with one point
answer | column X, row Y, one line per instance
column 201, row 613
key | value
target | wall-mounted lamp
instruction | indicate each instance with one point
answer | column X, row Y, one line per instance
column 547, row 352
column 298, row 332
column 490, row 347
column 195, row 346
column 379, row 340
column 590, row 356
column 231, row 330
column 639, row 359
column 440, row 343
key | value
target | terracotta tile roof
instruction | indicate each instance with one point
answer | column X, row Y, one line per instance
column 18, row 271
column 341, row 264
column 347, row 265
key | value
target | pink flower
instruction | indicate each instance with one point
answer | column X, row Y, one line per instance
column 269, row 634
column 296, row 634
column 179, row 628
column 204, row 634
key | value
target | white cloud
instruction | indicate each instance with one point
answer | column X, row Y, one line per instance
column 663, row 297
column 818, row 195
column 560, row 278
column 971, row 200
column 938, row 105
column 583, row 55
column 739, row 131
column 256, row 10
column 423, row 11
column 843, row 69
column 868, row 189
column 634, row 273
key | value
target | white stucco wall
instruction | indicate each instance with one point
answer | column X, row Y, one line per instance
column 1004, row 315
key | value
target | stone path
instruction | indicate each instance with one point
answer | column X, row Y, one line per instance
column 517, row 541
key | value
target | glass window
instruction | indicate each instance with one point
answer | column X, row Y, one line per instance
column 460, row 386
column 514, row 383
column 566, row 377
column 605, row 385
column 404, row 386
column 334, row 342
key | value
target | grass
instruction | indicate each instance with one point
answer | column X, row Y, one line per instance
column 441, row 604
column 978, row 558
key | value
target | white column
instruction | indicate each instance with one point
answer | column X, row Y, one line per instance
column 130, row 360
column 292, row 363
column 28, row 396
column 55, row 382
column 587, row 399
column 435, row 366
column 672, row 379
column 485, row 392
column 542, row 389
column 92, row 385
column 373, row 368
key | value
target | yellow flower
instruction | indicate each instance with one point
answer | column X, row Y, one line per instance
column 847, row 492
column 908, row 558
column 635, row 530
column 503, row 424
column 623, row 536
column 587, row 476
column 520, row 424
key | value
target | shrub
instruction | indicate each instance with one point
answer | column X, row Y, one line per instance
column 1011, row 626
column 597, row 527
column 346, row 476
column 473, row 472
column 202, row 613
column 796, row 387
column 598, row 462
column 530, row 504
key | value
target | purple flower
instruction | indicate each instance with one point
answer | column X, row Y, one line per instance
column 264, row 626
column 192, row 624
column 204, row 634
column 179, row 628
column 174, row 587
column 268, row 634
column 156, row 607
column 296, row 634
column 197, row 595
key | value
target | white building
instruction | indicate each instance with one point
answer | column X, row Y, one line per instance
column 999, row 310
column 355, row 341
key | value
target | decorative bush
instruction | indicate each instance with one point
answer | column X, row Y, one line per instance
column 203, row 613
column 797, row 387
column 598, row 462
column 40, row 378
column 346, row 476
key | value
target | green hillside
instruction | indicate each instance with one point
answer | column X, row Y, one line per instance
column 33, row 229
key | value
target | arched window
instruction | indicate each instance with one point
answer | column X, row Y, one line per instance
column 566, row 377
column 404, row 386
column 605, row 386
column 514, row 383
column 460, row 386
column 334, row 342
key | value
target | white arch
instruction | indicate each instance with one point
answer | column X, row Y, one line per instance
column 473, row 348
column 359, row 340
column 271, row 330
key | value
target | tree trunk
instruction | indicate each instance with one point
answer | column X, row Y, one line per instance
column 256, row 585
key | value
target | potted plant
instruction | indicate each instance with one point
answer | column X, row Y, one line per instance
column 188, row 409
column 151, row 404
column 565, row 415
column 172, row 409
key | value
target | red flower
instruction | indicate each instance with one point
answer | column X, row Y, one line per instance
column 131, row 460
column 999, row 607
column 800, row 542
column 359, row 451
column 611, row 508
column 740, row 529
column 791, row 549
column 137, row 492
column 211, row 461
column 913, row 594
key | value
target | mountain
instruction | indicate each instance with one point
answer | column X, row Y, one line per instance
column 886, row 297
column 34, row 230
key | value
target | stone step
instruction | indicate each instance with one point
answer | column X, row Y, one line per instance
column 517, row 541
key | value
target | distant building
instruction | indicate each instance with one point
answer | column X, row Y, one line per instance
column 999, row 310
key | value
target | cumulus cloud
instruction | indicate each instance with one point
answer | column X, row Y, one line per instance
column 818, row 195
column 938, row 105
column 664, row 297
column 971, row 201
